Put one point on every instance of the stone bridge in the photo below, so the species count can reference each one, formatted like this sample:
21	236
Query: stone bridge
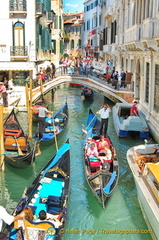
97	84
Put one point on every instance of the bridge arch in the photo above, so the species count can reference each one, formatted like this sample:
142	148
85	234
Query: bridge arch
96	84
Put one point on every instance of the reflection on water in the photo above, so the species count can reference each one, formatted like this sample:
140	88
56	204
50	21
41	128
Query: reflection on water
86	219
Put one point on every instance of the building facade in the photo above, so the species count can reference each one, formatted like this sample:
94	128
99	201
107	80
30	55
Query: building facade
73	34
57	32
26	39
131	40
93	28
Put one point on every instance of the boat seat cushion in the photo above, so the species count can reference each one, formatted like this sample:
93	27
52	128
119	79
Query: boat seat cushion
95	164
12	132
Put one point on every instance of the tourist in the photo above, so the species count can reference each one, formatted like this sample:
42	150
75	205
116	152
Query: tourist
123	77
92	150
103	144
10	84
43	216
3	94
133	109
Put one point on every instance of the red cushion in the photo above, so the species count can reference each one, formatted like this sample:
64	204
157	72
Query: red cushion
94	163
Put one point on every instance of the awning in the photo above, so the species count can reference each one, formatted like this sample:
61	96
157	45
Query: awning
17	66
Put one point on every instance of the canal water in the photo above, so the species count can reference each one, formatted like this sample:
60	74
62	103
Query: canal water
122	219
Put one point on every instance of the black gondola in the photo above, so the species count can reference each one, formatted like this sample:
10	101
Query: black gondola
102	176
49	192
19	150
87	93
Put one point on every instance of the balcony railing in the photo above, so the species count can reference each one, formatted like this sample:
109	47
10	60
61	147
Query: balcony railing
49	17
39	9
19	52
17	7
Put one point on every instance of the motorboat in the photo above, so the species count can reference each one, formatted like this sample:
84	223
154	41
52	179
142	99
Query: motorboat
125	124
144	164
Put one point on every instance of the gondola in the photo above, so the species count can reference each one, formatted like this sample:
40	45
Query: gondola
60	119
19	151
49	192
87	93
101	173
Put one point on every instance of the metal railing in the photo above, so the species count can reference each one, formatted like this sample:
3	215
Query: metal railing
107	81
20	6
19	51
39	8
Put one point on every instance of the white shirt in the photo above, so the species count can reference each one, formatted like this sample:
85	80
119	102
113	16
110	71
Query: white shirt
104	113
4	216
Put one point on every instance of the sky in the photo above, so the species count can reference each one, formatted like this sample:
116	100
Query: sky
73	5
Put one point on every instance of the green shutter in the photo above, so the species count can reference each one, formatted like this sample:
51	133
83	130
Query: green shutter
56	22
61	47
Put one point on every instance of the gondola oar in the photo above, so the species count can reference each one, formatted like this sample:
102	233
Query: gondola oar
83	128
19	150
55	135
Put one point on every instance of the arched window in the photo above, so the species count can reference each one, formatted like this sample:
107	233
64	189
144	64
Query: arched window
18	34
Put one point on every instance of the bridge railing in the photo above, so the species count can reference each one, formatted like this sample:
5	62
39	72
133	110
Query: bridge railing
89	73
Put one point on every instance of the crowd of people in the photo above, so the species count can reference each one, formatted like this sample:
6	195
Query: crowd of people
98	149
27	213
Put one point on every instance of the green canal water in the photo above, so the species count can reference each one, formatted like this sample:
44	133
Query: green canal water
86	219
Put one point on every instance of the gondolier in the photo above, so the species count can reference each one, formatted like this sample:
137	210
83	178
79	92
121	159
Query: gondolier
7	218
104	113
41	117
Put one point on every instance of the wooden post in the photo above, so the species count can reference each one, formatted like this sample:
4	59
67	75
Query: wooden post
30	112
1	139
27	96
41	86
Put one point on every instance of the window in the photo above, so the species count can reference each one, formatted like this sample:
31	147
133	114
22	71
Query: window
156	93
72	44
147	82
53	47
88	24
79	43
18	38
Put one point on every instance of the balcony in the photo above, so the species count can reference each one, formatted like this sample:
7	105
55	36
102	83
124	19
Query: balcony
132	38
107	49
108	12
39	9
149	34
18	53
17	9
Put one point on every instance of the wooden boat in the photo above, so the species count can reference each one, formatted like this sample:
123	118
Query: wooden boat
60	119
125	124
19	150
102	176
143	161
49	192
75	84
87	93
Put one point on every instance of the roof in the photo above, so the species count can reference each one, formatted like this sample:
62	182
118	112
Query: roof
69	13
154	168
